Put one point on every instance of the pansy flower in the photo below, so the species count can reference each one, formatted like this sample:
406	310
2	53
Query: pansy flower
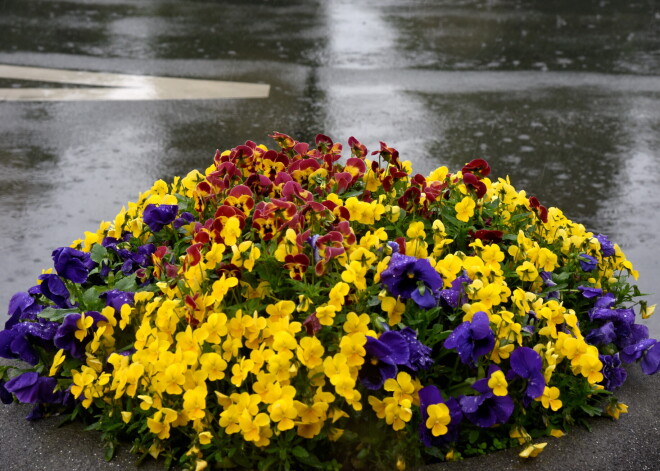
73	264
590	292
486	409
649	352
116	298
30	388
384	354
613	374
22	306
587	262
53	288
24	338
158	216
602	335
527	364
411	277
420	354
71	335
606	245
472	339
428	396
455	296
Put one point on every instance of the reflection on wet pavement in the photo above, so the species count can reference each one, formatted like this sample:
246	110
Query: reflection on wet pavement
562	96
107	87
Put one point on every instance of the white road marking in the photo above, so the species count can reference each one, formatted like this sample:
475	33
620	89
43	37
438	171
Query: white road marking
117	87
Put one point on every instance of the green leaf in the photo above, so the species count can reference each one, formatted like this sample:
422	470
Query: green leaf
300	452
90	299
373	301
54	314
98	253
127	284
109	452
591	410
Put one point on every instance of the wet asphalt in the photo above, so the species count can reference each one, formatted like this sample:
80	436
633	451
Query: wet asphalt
563	96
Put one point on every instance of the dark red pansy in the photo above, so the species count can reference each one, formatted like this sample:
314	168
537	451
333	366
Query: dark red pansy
488	235
312	324
474	183
477	166
357	149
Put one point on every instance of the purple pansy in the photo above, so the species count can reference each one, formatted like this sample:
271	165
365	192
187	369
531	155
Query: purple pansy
383	356
472	339
20	341
65	337
73	264
546	276
455	296
183	219
30	388
602	335
116	299
623	320
157	216
606	246
487	409
430	395
613	374
135	260
53	288
648	350
22	306
605	301
527	364
590	292
587	262
411	277
419	353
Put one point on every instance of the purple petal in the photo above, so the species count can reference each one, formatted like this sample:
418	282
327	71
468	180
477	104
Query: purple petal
589	292
397	345
651	360
634	352
525	362
425	301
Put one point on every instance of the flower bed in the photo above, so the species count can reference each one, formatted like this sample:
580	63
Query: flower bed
286	310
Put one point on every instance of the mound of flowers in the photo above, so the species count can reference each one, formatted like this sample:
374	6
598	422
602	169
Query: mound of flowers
290	308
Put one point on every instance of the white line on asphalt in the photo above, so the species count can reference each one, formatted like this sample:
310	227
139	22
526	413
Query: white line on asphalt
121	86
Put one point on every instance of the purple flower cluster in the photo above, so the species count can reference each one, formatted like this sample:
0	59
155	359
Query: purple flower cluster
132	260
24	339
618	327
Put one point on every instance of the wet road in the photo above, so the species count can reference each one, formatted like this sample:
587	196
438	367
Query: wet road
564	99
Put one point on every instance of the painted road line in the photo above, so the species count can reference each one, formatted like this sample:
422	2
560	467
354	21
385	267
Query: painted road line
121	86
